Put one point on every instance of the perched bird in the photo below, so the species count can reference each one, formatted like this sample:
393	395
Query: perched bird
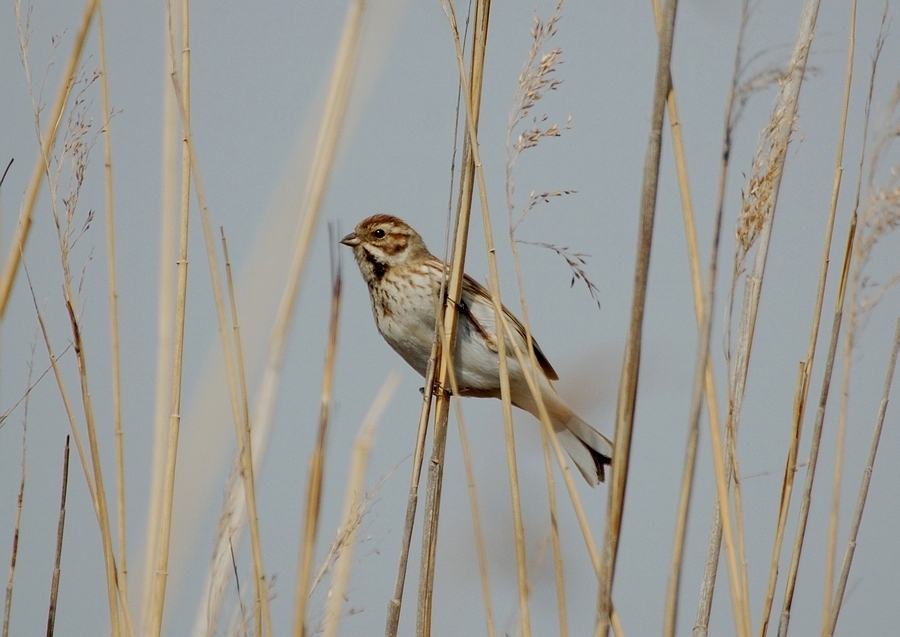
404	279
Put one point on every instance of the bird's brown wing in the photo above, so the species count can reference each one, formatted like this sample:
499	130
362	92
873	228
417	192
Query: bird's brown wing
474	288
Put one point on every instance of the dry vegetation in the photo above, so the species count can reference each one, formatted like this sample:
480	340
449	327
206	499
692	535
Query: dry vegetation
67	136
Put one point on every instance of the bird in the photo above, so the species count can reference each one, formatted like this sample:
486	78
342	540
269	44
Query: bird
404	281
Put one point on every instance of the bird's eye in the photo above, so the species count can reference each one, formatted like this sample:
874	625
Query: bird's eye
379	234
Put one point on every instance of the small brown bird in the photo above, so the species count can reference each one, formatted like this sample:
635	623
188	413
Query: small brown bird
404	279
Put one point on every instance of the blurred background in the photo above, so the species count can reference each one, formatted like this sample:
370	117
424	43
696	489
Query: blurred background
259	73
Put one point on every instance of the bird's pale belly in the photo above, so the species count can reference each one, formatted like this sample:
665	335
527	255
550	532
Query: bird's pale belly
475	365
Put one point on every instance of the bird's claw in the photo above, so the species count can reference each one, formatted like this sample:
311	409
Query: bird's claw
437	391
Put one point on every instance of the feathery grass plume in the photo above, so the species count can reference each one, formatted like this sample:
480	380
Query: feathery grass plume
348	536
537	78
879	218
740	92
801	393
46	140
754	228
65	168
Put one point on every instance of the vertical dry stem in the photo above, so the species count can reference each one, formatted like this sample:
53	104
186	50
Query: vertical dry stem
494	285
14	554
704	324
755	225
707	587
631	364
242	427
60	528
317	462
113	313
472	97
318	178
850	333
828	628
554	532
802	392
154	614
703	380
784	620
353	500
165	329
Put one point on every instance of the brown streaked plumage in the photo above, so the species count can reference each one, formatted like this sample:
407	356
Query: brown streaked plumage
404	281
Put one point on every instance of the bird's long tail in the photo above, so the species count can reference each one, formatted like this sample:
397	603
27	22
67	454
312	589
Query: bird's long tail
590	450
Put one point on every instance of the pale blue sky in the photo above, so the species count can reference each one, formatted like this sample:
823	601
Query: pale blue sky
258	77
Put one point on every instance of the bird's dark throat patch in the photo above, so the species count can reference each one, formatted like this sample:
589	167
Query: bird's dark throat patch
379	269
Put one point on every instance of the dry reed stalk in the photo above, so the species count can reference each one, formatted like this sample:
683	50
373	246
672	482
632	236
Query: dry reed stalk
562	614
242	429
89	476
708	584
325	150
802	391
41	166
803	516
849	339
739	528
60	528
353	500
703	382
119	624
476	520
828	628
165	327
473	493
76	149
704	325
466	182
755	227
535	81
392	623
113	314
631	364
317	461
547	433
494	286
471	93
724	524
544	419
153	613
14	554
231	373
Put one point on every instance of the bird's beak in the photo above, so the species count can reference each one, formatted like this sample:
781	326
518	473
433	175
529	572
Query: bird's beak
351	240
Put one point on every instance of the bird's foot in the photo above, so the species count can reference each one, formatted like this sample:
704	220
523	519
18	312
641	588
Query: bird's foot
437	391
